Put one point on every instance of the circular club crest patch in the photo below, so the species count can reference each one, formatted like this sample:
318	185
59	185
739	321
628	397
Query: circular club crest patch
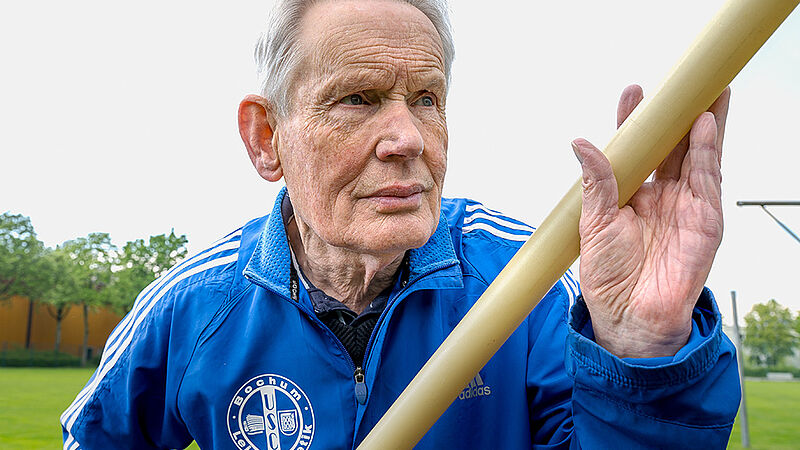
270	412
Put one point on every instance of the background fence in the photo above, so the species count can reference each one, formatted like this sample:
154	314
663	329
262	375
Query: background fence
20	324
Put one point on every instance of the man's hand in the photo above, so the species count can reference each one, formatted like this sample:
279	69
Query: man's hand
643	266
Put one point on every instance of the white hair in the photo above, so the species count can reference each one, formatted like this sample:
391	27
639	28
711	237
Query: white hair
277	54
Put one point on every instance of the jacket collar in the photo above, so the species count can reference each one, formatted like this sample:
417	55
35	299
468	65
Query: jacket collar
271	261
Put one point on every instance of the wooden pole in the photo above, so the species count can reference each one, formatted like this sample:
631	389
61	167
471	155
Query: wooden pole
732	37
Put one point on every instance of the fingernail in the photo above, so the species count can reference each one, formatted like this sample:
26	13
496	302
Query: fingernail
577	152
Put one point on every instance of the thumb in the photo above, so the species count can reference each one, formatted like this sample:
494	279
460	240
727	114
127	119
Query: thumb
600	193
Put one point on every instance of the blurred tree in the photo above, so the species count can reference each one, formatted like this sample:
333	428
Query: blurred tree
20	253
93	258
63	291
769	335
142	262
21	256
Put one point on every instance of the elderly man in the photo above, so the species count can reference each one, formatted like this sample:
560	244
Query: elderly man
300	329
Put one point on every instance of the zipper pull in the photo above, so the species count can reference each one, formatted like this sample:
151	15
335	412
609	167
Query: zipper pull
361	387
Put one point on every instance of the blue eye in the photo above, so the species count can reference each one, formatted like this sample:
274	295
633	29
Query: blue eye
425	100
353	99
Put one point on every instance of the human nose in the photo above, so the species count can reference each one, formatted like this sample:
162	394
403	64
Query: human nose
401	136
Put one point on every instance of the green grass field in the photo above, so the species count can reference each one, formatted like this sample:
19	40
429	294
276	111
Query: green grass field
31	401
773	412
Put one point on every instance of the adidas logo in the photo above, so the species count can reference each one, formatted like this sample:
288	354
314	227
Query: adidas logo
475	388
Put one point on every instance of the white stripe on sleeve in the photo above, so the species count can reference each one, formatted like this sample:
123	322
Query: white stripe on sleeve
492	230
498	220
145	302
141	303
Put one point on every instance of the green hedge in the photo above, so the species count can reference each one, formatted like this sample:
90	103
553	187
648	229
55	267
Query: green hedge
19	357
761	372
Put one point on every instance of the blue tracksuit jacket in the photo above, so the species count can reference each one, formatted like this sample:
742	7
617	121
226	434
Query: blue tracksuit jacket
217	351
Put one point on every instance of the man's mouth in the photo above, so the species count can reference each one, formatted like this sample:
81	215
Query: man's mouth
398	197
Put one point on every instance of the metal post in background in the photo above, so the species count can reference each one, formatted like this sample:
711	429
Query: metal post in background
764	204
737	341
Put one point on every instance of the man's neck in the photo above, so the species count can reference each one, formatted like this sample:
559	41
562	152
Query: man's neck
354	279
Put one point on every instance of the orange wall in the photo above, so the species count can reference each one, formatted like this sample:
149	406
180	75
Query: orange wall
14	320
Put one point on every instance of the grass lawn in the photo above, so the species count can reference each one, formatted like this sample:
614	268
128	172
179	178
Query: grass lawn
31	401
773	413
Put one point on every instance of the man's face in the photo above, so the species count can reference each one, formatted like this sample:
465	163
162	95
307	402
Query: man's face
364	147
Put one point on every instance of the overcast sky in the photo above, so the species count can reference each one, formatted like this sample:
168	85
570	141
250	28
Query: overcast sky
121	117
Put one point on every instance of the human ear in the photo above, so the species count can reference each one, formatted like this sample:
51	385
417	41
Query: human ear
256	127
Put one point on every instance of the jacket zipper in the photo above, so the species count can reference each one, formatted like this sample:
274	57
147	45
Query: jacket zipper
358	372
359	377
403	292
361	386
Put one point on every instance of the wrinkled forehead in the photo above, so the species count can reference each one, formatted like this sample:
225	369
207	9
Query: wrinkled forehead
377	34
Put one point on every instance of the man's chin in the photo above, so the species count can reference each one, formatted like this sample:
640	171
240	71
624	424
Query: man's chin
395	236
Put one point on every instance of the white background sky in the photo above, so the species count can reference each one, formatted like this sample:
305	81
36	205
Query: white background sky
121	117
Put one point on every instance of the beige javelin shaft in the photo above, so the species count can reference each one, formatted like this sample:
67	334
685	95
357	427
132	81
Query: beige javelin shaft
655	127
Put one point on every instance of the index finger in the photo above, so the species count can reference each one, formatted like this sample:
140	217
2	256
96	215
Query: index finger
631	96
